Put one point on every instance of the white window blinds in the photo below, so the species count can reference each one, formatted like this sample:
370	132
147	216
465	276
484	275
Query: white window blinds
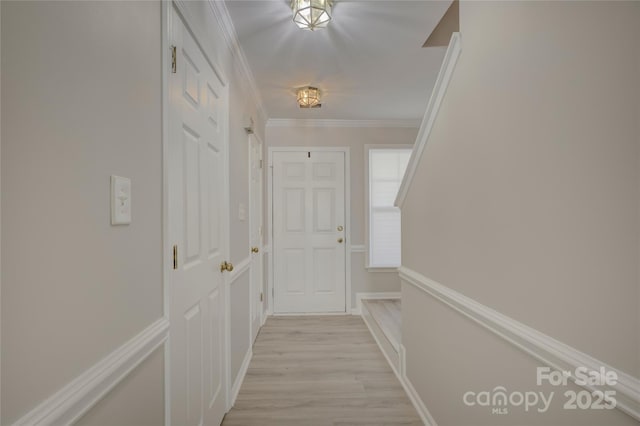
386	170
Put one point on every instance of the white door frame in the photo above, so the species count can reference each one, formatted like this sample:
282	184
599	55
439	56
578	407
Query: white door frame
261	244
167	244
347	213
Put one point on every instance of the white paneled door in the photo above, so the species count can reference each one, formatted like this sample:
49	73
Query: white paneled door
197	152
309	231
255	222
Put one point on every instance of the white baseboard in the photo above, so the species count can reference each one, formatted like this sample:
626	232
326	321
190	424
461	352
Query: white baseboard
372	296
544	348
417	402
400	373
237	384
381	346
72	401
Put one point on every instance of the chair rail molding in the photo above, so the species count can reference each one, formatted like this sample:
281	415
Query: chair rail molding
439	90
76	398
243	266
544	348
357	248
294	122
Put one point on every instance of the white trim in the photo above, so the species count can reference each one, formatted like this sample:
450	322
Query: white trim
347	211
357	248
546	349
384	269
309	314
401	374
373	296
237	384
417	402
294	122
439	90
380	345
166	13
231	37
0	234
76	398
243	266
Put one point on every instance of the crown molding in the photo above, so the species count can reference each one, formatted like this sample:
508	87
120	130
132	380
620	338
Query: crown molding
221	13
295	122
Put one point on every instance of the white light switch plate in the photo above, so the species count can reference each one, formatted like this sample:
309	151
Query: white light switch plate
120	200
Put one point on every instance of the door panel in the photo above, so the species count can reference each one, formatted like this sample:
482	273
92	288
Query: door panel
196	182
309	232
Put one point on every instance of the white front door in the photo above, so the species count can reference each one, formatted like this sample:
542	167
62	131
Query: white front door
309	231
197	147
255	222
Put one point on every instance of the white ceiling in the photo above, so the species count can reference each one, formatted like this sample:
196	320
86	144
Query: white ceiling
369	62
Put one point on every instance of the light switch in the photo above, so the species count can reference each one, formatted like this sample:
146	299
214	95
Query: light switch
120	200
242	213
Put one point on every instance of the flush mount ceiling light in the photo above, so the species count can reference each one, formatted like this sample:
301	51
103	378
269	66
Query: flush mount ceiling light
311	14
309	97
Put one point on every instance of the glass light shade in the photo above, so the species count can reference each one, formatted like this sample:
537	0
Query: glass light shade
309	97
311	14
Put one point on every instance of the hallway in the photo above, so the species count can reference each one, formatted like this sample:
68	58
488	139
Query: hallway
319	370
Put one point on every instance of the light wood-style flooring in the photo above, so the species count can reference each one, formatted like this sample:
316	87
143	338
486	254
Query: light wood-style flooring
319	371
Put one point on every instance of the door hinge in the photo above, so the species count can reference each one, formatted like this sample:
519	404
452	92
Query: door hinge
174	61
260	163
175	257
261	297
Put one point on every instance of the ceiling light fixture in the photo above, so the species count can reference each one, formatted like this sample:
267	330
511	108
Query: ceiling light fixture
311	14
309	97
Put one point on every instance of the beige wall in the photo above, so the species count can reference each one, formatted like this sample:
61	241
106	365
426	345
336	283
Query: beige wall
526	200
82	87
355	139
144	386
81	101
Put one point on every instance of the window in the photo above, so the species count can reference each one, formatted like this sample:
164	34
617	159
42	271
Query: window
386	170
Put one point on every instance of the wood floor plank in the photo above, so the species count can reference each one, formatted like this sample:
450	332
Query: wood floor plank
319	371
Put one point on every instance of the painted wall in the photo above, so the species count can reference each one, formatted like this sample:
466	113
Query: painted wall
134	401
355	139
526	200
81	101
82	87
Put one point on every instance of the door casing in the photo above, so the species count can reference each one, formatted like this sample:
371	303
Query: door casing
347	212
259	270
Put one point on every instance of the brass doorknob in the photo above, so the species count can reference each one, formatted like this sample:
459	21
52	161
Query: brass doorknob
340	240
226	266
255	249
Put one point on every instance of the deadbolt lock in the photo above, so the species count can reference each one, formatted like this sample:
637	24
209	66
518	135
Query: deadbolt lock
226	266
340	228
